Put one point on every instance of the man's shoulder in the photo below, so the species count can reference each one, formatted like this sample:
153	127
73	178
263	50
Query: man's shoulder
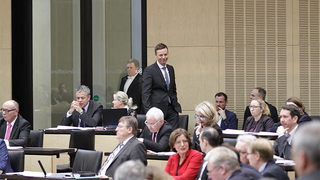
270	106
166	126
229	112
20	119
95	104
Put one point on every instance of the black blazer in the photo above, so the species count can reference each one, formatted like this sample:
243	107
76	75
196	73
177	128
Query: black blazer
204	174
163	135
20	133
282	148
132	150
91	118
274	171
134	90
251	171
154	89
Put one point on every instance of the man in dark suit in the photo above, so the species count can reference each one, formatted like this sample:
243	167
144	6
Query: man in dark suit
209	139
260	93
223	163
306	151
5	166
14	129
156	133
227	119
128	149
289	116
159	87
132	84
83	112
260	155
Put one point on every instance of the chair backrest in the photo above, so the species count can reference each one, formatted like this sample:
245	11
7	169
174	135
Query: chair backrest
184	121
17	160
36	138
87	161
141	119
231	141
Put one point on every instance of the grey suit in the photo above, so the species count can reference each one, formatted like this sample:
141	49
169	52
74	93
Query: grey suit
282	148
91	118
133	149
274	171
314	175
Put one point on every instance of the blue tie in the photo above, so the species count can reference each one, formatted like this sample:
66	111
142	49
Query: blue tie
167	81
81	122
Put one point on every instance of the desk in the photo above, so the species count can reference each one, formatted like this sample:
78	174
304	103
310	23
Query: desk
40	176
235	133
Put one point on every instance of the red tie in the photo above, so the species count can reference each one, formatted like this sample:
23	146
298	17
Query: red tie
154	137
8	132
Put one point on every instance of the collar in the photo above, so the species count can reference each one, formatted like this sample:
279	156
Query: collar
12	123
262	167
292	133
86	107
132	77
160	66
126	141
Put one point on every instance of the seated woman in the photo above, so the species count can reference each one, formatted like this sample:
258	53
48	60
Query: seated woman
121	100
206	116
304	116
260	120
185	164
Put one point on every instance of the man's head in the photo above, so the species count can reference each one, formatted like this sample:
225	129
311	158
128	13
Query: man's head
221	100
132	169
259	151
154	119
127	127
241	146
306	148
161	53
289	116
209	139
257	93
10	110
222	162
83	95
132	67
55	92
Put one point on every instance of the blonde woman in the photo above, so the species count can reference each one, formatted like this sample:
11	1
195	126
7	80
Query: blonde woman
121	100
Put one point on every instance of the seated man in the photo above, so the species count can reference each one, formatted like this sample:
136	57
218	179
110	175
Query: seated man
241	146
156	133
289	116
83	112
227	119
128	149
14	129
5	166
260	155
306	151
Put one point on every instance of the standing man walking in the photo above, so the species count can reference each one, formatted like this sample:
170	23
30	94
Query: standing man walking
159	87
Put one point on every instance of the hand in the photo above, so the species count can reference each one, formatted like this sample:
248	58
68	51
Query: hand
198	129
222	113
281	130
140	139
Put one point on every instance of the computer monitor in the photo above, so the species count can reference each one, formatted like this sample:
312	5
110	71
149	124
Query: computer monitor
111	117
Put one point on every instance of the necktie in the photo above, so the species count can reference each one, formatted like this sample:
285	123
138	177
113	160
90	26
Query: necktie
8	132
154	137
81	122
287	135
109	160
167	80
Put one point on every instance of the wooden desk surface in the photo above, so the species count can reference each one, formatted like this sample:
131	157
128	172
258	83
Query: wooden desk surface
46	151
68	131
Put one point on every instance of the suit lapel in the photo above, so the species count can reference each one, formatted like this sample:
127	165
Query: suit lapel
135	81
123	149
159	72
15	127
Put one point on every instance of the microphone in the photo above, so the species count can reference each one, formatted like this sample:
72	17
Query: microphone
44	171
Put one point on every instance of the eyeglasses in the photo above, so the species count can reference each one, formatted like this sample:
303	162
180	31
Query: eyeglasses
254	107
151	125
243	153
199	117
183	141
6	111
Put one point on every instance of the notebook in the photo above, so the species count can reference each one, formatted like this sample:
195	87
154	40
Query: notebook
111	117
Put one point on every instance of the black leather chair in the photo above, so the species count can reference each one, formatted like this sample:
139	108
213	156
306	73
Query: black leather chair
16	160
141	119
231	141
36	138
317	118
80	139
183	121
87	161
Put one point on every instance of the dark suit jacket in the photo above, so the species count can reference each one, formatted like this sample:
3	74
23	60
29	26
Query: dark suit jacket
196	142
282	148
154	89
251	171
163	135
5	166
20	132
273	112
274	171
91	118
303	119
231	122
134	90
240	175
133	149
264	124
314	175
204	174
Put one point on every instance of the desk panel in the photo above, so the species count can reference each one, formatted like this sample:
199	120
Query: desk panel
49	163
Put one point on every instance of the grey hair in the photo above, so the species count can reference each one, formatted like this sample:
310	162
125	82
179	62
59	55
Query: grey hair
83	88
156	113
134	61
246	138
122	96
132	169
223	156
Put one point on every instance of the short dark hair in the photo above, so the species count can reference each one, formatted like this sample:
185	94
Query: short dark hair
294	110
175	134
160	46
211	135
222	94
262	92
131	122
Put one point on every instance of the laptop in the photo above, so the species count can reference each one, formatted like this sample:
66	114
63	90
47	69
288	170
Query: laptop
111	117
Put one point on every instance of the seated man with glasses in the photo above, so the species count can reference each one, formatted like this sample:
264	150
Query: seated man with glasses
156	133
14	129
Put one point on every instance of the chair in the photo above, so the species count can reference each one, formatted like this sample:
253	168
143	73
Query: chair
141	119
16	160
80	139
317	118
231	141
184	121
87	161
36	138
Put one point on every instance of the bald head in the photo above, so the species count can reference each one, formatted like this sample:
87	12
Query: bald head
10	110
